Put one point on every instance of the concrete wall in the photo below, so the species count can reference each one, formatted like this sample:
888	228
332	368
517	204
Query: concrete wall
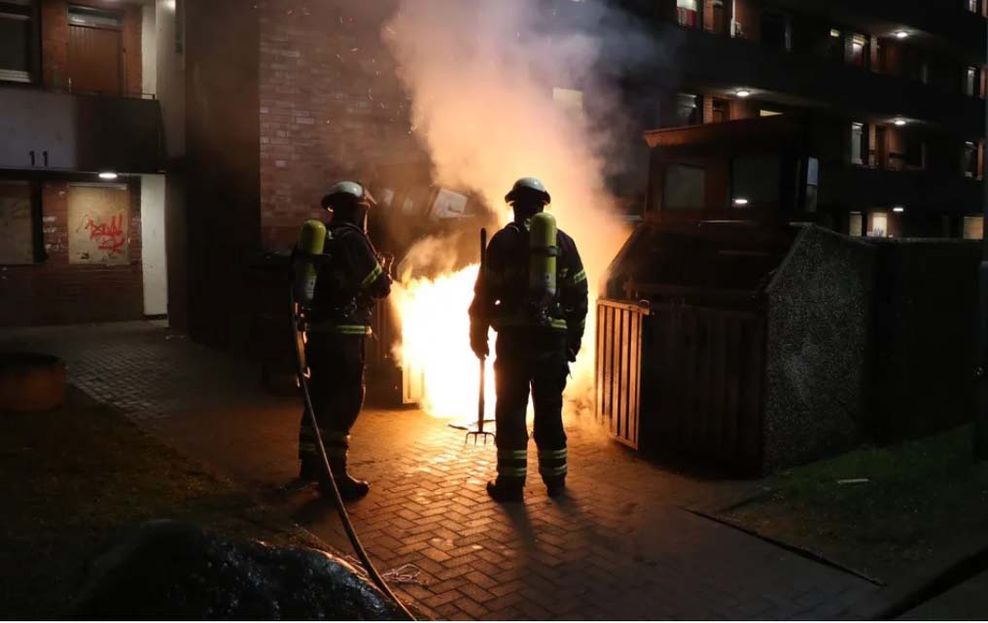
153	251
817	348
57	292
149	50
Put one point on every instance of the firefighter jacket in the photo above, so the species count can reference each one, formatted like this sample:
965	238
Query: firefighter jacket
349	280
501	293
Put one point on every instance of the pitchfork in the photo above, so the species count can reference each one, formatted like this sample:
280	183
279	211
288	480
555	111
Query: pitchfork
480	432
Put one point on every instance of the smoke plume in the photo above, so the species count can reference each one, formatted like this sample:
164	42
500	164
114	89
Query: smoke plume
503	89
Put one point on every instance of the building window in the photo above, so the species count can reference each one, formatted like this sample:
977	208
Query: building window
19	224
684	188
859	143
687	13
878	225
915	156
855	224
687	110
973	6
969	160
974	227
755	182
858	51
776	32
16	41
971	81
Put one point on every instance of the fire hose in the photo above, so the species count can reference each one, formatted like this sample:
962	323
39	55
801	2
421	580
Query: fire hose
302	374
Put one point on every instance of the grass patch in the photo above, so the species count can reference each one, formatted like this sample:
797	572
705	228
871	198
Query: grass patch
921	499
71	477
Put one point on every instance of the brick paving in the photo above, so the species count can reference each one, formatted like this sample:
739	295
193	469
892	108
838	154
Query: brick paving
620	546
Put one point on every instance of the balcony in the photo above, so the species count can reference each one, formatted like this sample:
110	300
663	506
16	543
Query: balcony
65	132
719	61
861	188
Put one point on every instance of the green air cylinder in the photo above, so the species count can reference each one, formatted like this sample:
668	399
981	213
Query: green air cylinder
311	241
542	259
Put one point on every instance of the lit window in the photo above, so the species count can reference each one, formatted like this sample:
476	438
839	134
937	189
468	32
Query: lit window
859	146
687	109
971	81
686	13
836	34
764	112
859	51
969	160
974	6
879	225
974	227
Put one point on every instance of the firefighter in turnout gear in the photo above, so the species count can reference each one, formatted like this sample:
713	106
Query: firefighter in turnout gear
349	277
533	292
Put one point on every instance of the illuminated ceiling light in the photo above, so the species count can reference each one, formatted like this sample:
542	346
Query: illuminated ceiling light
740	202
742	92
901	34
108	175
900	122
898	209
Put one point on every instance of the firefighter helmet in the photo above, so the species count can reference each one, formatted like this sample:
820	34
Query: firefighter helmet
346	192
528	187
349	202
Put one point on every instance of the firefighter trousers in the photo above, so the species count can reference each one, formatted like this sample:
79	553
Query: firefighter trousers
530	361
336	384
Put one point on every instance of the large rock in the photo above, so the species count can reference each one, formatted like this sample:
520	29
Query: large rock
169	570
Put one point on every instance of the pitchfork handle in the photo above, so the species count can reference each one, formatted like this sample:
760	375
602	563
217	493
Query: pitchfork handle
483	362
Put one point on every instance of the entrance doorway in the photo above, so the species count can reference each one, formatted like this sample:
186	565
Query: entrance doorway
95	51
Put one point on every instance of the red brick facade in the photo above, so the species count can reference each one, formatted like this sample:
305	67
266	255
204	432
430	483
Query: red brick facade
57	292
330	107
55	42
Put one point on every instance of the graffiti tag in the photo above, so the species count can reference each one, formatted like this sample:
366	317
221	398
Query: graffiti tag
109	237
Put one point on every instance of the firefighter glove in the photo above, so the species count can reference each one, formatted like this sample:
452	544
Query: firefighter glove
478	342
573	348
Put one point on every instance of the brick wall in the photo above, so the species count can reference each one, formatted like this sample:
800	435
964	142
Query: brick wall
57	292
55	41
330	106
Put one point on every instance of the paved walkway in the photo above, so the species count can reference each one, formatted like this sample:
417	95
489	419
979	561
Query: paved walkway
621	546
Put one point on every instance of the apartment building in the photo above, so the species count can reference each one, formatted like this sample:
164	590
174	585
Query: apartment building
82	157
866	117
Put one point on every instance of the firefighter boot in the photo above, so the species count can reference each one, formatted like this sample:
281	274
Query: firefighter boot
350	488
556	487
506	489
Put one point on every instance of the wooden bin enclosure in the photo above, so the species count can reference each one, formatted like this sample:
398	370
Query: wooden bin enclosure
683	380
620	328
752	352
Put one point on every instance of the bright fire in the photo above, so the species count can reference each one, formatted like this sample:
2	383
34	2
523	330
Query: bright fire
435	350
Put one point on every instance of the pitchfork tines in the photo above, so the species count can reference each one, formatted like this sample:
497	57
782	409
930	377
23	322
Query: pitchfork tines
477	434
